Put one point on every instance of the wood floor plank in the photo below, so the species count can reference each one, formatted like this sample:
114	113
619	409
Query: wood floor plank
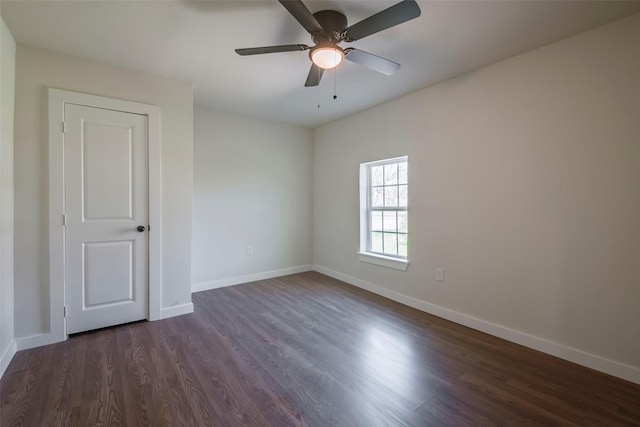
304	350
129	377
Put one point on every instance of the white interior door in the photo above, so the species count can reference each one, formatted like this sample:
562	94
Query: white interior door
106	206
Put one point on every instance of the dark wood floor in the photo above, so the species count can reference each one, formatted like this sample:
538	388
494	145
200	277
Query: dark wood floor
304	350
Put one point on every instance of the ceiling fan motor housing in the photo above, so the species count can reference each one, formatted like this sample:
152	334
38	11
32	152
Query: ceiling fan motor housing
333	23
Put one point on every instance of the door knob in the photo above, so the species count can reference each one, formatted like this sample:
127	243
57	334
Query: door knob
140	228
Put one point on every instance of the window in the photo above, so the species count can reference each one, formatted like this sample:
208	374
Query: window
384	187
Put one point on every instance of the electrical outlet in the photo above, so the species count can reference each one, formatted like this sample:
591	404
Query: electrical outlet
249	250
440	274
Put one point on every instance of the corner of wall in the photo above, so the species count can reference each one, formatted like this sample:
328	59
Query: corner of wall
7	99
6	357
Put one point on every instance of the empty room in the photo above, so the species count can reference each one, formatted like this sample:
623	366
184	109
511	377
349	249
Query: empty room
319	213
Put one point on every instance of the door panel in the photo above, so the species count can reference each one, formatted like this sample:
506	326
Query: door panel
106	165
106	198
108	273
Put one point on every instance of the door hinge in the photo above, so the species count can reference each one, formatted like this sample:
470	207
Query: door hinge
65	311
64	127
64	220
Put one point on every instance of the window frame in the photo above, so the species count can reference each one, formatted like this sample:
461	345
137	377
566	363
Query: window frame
398	262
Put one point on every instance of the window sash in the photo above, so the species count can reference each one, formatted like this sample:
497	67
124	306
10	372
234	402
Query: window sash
370	209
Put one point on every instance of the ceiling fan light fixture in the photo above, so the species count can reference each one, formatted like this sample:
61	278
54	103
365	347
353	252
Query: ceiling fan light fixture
327	57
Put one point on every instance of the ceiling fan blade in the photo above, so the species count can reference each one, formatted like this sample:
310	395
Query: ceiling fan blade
315	74
271	49
302	15
372	61
397	14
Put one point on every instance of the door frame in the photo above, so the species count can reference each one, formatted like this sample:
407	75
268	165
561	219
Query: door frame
57	281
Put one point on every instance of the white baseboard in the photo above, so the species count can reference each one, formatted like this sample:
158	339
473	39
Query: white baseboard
32	341
620	370
176	310
46	338
39	340
6	357
221	283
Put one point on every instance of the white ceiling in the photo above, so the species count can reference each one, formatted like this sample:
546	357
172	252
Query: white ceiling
195	41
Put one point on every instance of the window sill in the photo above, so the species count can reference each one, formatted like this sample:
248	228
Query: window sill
384	261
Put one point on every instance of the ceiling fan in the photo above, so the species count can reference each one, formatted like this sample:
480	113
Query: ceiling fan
328	28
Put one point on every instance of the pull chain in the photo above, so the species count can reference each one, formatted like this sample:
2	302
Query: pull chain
335	82
318	86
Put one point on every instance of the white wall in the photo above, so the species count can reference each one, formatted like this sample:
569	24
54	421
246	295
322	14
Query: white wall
252	187
7	84
38	70
524	187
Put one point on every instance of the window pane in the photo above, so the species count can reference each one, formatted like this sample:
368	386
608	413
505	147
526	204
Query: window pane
391	174
402	244
402	195
376	242
402	222
376	175
403	177
390	243
391	196
390	221
376	196
385	212
376	221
